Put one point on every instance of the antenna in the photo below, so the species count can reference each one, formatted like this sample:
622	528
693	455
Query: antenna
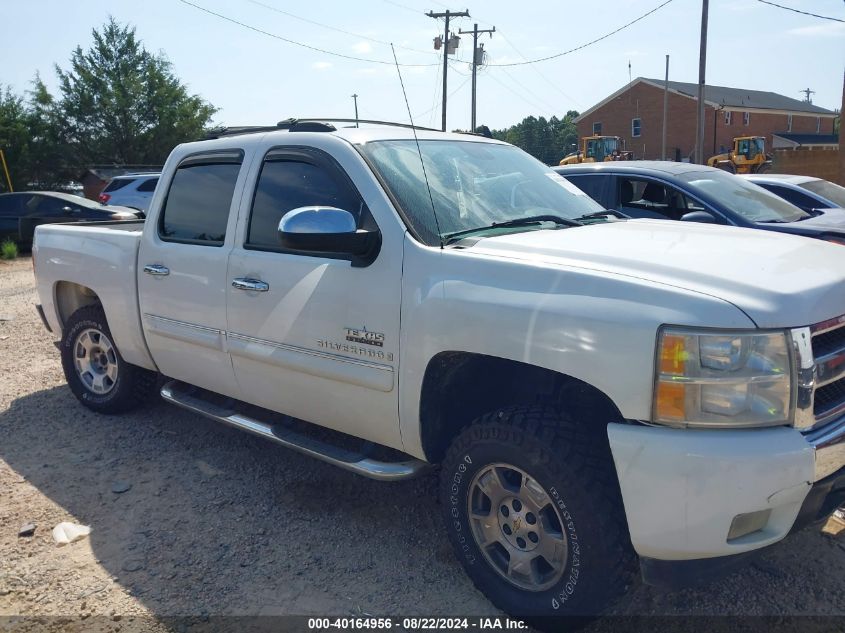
417	141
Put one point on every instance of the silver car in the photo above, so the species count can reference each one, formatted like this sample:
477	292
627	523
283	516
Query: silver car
805	192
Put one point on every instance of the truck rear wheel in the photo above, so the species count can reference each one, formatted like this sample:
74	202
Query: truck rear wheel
94	369
534	513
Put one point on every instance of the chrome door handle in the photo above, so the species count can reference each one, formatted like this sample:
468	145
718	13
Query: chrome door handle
245	283
156	269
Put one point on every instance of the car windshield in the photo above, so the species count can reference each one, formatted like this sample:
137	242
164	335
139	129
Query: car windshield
826	189
743	197
473	185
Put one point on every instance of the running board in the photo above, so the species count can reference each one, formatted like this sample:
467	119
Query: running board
188	397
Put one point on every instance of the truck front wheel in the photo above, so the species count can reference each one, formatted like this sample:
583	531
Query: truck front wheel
94	369
535	516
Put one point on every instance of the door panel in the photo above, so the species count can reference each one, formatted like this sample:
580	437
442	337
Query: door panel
182	272
321	343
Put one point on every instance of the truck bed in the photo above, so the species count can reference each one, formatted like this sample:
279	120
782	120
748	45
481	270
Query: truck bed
80	262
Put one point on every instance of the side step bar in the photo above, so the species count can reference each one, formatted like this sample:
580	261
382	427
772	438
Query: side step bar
185	396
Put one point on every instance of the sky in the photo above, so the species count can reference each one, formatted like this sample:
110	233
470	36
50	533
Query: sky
257	78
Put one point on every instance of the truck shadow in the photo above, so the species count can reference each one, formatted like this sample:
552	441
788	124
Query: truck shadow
218	522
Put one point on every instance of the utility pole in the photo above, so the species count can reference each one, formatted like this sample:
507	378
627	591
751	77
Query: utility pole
448	15
702	65
6	171
808	92
476	54
355	98
665	110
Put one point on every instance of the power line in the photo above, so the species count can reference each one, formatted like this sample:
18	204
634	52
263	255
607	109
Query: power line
521	96
295	43
451	94
334	28
537	70
815	15
590	43
402	6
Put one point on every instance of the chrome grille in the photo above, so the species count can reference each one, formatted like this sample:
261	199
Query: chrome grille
828	347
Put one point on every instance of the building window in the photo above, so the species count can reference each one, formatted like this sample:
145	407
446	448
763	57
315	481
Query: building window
636	125
818	125
728	116
788	122
597	129
746	118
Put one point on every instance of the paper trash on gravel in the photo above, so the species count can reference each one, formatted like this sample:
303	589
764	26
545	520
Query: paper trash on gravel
66	532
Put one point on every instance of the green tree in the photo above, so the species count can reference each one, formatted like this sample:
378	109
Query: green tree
14	138
119	103
548	140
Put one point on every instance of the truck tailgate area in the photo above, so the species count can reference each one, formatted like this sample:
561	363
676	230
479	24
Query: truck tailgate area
81	263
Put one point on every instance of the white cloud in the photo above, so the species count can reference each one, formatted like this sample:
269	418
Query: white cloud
831	29
362	47
321	65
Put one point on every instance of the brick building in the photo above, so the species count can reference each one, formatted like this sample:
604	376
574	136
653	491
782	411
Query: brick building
635	113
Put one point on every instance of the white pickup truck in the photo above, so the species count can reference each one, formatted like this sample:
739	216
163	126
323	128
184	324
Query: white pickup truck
601	396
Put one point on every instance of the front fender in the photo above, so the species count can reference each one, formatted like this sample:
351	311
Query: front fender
594	326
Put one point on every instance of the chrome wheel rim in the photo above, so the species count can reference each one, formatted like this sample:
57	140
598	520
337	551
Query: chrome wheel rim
95	359
517	527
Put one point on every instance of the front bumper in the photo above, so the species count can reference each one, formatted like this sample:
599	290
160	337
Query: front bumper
683	488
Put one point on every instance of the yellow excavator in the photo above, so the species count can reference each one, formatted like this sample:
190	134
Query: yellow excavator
748	156
598	149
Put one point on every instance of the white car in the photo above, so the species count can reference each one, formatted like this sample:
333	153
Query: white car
602	395
806	192
131	190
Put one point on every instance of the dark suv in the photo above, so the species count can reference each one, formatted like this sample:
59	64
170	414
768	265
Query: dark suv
20	213
694	193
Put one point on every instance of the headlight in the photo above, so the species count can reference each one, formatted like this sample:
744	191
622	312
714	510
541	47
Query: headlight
718	379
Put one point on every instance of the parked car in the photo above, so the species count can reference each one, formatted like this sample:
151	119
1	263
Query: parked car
21	212
130	190
601	395
695	193
805	192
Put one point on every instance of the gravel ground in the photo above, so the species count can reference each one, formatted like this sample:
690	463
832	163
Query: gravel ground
217	522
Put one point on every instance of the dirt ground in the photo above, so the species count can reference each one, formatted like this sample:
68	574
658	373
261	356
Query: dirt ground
217	522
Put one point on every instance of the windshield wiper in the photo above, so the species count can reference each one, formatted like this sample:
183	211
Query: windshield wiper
601	214
528	221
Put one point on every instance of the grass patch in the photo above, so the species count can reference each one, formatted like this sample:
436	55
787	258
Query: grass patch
8	250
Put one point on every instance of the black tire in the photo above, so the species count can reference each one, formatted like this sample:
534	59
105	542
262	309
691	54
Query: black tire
576	469
132	386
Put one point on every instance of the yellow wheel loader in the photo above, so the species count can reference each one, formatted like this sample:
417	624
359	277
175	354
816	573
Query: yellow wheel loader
598	149
748	156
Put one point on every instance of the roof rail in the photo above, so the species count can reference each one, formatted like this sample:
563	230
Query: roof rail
310	124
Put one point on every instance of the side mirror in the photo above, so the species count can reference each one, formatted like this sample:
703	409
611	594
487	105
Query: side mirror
328	231
67	210
698	216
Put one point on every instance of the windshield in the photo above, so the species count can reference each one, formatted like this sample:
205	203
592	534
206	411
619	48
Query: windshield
826	189
473	184
743	197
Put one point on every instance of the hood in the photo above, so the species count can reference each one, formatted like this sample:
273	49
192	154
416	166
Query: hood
778	280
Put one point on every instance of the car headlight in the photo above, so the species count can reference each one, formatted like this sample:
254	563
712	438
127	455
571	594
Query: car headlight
722	379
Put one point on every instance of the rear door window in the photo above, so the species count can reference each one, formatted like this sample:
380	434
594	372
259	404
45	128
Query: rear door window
10	205
117	183
148	185
196	210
